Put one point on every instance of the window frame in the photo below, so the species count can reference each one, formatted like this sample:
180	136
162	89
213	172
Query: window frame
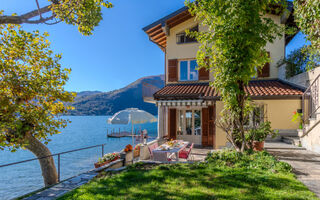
252	117
188	70
184	35
182	127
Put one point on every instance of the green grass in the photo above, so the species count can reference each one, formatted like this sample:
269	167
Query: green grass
261	178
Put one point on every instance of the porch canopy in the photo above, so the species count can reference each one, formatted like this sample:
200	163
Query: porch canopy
257	89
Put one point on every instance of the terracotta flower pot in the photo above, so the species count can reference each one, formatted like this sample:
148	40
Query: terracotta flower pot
258	146
97	164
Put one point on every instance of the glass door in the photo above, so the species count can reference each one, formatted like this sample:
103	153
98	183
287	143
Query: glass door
189	125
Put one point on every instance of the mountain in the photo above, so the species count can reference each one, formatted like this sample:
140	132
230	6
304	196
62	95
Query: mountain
108	103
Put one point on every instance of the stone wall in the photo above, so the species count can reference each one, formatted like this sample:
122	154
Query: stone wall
312	140
303	79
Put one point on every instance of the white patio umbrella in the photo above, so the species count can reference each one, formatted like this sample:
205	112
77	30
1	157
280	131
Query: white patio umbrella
133	116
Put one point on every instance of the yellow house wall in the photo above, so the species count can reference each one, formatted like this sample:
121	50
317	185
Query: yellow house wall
189	50
278	112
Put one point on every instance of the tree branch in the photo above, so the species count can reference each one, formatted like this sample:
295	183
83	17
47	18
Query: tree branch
25	18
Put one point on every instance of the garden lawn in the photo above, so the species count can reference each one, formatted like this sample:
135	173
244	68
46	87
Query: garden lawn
255	177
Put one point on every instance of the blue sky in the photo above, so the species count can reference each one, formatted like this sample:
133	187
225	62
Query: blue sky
118	52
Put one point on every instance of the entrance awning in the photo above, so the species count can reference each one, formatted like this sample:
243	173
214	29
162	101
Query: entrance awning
176	103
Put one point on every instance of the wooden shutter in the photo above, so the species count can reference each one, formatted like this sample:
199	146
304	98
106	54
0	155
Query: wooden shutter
205	126
203	74
208	126
172	70
172	125
211	124
265	71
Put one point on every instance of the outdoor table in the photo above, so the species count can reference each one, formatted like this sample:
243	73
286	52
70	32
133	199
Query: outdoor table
166	149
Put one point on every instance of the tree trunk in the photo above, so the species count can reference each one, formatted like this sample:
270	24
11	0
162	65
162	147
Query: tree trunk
48	168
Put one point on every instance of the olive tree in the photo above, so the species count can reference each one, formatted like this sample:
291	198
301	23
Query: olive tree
233	49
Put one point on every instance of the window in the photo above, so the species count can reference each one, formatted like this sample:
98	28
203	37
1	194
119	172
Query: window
197	122
183	38
188	70
181	119
256	117
189	122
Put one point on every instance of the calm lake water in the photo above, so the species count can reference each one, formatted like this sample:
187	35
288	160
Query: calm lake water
83	131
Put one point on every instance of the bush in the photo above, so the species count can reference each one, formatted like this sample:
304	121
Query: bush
260	132
249	159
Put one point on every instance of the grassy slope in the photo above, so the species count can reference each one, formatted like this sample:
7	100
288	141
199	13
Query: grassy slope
196	181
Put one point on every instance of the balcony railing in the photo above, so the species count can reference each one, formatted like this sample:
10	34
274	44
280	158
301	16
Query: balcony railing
310	101
58	155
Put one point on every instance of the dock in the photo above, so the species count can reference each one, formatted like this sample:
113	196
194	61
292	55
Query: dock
120	134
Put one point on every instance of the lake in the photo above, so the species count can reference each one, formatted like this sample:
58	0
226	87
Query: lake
83	131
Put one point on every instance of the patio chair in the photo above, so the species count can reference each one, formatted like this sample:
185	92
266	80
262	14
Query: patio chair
186	154
151	148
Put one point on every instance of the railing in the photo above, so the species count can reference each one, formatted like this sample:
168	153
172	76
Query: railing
58	155
310	101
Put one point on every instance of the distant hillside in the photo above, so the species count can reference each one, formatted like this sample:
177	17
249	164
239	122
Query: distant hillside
108	103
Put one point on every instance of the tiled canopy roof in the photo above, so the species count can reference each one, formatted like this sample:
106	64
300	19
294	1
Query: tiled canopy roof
258	89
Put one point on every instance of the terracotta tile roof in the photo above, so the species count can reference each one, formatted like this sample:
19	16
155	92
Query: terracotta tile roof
256	89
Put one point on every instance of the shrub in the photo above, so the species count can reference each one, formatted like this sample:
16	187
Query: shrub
249	160
261	132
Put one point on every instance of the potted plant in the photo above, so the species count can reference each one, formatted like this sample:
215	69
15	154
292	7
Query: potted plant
257	135
136	151
107	158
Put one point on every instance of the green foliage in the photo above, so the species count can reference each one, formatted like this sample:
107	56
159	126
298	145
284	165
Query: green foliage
234	45
261	132
307	15
233	48
249	160
297	118
299	61
85	14
31	87
259	176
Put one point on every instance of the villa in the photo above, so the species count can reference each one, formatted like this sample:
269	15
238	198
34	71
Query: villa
188	106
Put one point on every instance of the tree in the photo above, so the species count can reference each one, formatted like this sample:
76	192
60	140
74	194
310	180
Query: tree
307	16
233	49
31	94
299	61
85	14
32	80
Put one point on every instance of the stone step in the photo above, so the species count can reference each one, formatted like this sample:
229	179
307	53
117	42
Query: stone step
292	140
288	132
270	139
